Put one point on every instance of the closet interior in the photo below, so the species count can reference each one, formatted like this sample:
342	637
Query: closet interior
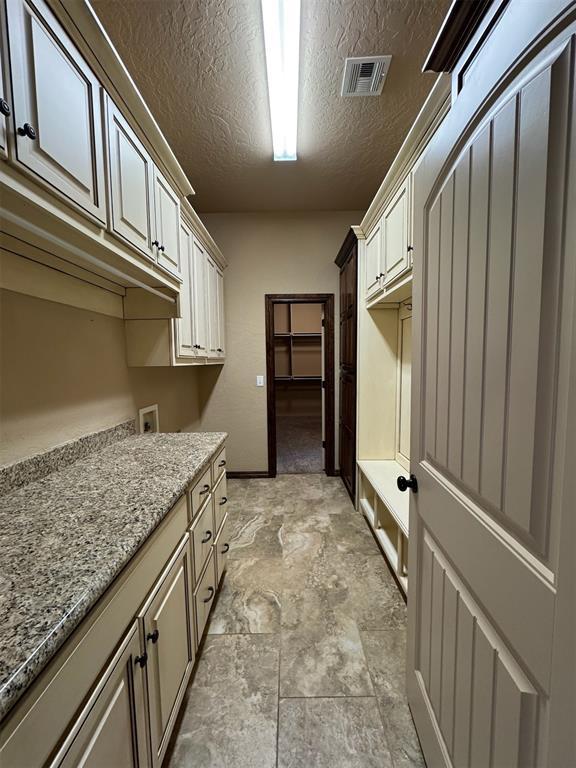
298	357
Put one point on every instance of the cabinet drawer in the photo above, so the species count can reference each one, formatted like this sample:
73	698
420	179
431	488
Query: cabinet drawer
203	535
221	548
220	502
204	596
219	465
199	494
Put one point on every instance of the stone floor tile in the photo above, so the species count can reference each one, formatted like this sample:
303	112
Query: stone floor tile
255	534
331	733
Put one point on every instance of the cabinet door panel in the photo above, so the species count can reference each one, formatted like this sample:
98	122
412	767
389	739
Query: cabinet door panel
167	628
220	502
184	325
373	262
131	178
204	597
221	325
167	224
59	96
4	95
212	306
221	549
199	292
395	222
203	535
111	731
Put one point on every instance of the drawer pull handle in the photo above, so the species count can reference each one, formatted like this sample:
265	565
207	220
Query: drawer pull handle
225	548
153	636
207	538
224	500
210	596
204	490
222	463
27	130
141	660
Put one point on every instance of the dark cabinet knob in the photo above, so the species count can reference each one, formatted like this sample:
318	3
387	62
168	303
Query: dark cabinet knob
204	490
207	538
156	243
141	660
153	636
4	107
161	248
224	500
410	248
27	130
219	350
403	484
225	548
210	596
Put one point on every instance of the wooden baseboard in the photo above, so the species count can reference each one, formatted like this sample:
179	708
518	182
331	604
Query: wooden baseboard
246	475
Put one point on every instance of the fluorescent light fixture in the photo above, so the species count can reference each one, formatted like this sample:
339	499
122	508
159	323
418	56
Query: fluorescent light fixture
282	41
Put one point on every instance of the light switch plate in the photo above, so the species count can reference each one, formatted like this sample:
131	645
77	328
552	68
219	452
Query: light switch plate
259	381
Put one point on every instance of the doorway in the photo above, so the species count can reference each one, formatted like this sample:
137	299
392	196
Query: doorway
300	383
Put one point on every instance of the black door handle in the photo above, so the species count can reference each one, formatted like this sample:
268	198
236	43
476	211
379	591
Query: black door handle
141	660
210	596
208	537
225	548
205	489
224	500
403	484
222	463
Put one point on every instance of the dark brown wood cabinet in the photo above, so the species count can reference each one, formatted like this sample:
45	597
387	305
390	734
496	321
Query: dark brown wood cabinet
347	260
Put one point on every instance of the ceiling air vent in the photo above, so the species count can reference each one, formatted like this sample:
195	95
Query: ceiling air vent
365	75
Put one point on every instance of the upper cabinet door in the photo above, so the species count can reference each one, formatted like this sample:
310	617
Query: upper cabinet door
395	227
212	300
373	262
167	238
131	183
5	110
56	107
184	325
221	324
199	292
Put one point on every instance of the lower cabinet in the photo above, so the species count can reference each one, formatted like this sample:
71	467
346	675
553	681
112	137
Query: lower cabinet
220	502
166	623
203	597
221	549
111	730
202	537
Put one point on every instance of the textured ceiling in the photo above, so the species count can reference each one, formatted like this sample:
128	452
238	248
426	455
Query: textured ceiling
200	66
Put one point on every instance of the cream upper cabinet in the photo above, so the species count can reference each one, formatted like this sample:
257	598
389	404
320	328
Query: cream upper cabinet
5	110
200	276
56	107
167	626
184	325
373	261
111	729
213	315
167	233
131	174
221	322
395	226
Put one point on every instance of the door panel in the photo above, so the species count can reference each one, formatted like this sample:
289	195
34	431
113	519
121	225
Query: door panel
59	96
131	183
348	332
490	207
221	322
373	262
184	324
199	294
212	307
167	224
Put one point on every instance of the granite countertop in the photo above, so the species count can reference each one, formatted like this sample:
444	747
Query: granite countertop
64	538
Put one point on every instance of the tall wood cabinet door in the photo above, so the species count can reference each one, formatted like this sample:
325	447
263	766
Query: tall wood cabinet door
167	208
212	306
167	627
111	731
184	324
373	262
131	174
57	107
200	292
494	407
395	228
221	318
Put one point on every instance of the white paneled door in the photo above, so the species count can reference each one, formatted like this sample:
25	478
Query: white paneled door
491	611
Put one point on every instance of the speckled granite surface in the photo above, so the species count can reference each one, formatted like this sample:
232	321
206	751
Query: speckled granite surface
64	538
25	471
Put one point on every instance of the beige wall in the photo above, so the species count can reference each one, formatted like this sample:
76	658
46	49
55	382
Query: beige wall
63	374
267	253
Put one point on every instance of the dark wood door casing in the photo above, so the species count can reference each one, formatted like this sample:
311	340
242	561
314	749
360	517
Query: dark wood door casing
327	299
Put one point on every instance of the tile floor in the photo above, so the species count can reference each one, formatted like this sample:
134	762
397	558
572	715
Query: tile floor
303	664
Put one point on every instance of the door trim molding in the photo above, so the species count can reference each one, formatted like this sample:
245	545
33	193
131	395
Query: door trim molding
327	299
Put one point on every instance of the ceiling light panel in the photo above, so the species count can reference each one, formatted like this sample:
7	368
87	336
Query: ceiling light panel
281	19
